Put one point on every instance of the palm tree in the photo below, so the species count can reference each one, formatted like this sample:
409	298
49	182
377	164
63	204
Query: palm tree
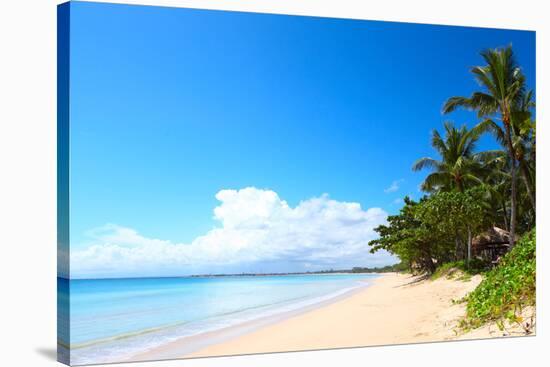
503	87
496	184
459	167
524	143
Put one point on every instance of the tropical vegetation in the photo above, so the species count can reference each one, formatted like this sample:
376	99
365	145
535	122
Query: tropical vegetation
469	191
507	289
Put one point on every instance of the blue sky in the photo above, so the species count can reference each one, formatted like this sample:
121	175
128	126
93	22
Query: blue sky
170	106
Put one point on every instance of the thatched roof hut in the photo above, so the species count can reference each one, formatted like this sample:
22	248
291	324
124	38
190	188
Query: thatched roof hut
493	236
491	243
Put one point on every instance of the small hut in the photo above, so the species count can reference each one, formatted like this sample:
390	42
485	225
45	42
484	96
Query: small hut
491	244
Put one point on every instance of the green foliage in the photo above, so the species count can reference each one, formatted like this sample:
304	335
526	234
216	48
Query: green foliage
506	289
504	97
399	267
461	269
471	191
459	166
406	237
453	213
426	233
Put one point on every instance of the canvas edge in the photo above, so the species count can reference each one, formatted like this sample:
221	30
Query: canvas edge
63	117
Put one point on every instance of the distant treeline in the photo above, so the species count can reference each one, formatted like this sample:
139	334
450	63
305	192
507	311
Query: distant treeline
384	269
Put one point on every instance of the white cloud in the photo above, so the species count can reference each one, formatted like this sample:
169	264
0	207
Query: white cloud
256	228
394	186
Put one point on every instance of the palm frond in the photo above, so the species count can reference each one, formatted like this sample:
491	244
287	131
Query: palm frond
435	182
494	129
426	162
438	143
454	103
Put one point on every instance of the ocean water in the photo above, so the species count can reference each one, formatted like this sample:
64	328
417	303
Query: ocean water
114	319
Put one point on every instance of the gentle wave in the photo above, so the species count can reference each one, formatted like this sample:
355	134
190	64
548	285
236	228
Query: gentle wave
125	345
170	326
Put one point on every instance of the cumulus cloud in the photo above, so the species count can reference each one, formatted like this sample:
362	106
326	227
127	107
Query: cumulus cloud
256	228
394	186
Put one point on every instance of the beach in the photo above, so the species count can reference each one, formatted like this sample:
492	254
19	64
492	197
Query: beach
160	318
395	309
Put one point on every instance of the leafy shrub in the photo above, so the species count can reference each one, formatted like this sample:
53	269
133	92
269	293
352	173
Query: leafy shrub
464	270
427	232
506	289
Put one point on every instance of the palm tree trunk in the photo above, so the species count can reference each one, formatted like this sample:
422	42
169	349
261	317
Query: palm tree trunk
528	185
469	247
429	264
505	215
512	155
513	206
457	247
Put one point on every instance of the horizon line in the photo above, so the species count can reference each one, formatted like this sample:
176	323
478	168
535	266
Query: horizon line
368	270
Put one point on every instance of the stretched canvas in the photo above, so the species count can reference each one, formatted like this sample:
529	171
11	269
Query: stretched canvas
233	183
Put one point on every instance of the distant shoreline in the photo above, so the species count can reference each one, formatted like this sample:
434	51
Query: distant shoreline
321	272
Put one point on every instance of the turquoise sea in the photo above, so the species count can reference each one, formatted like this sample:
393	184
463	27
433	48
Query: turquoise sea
113	319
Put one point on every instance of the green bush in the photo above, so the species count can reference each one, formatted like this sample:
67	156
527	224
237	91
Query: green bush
506	289
464	270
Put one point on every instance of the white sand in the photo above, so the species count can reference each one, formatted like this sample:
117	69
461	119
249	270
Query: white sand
396	309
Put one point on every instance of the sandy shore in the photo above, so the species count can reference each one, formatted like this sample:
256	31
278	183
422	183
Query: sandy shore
396	309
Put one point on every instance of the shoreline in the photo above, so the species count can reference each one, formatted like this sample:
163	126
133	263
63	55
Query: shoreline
188	345
392	309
